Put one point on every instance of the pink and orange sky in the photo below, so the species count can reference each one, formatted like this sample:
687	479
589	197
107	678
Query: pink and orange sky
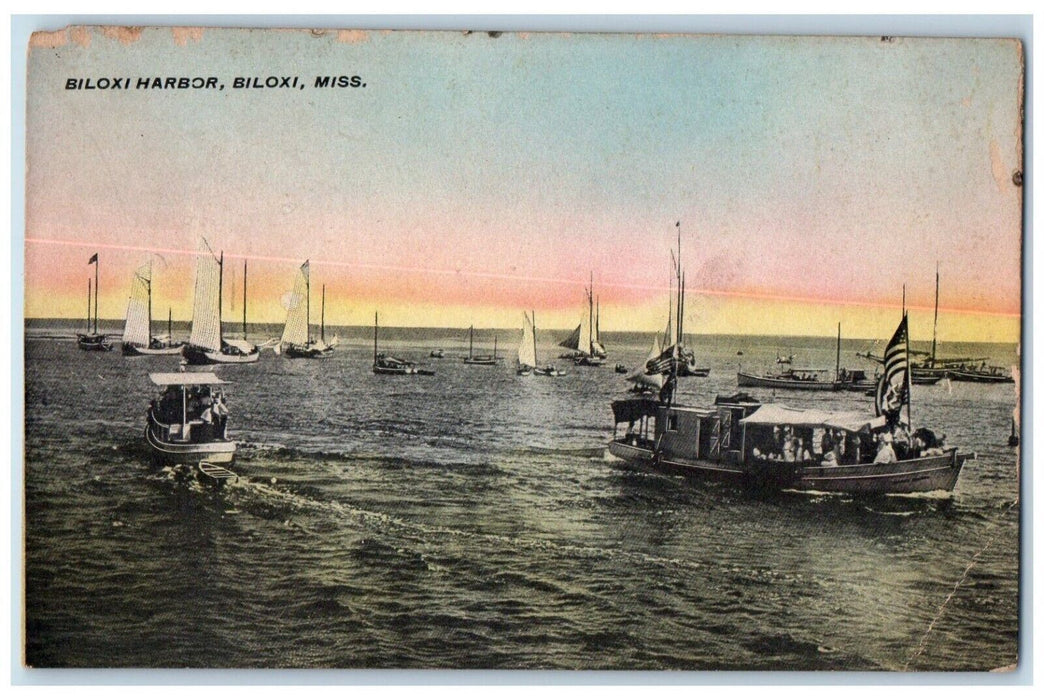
475	177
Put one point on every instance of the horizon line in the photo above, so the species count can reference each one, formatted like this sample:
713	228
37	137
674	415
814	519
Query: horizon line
555	280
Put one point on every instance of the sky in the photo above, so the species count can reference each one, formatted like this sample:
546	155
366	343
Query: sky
474	177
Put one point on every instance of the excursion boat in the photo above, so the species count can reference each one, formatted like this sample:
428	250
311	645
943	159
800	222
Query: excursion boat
527	355
297	341
188	422
137	330
473	359
93	340
773	446
207	345
585	347
733	441
386	364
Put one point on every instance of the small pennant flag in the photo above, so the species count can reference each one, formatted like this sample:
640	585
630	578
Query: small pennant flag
94	259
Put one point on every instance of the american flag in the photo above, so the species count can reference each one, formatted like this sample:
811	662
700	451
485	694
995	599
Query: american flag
891	387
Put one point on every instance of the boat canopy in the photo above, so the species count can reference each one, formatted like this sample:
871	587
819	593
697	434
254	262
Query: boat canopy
779	414
185	379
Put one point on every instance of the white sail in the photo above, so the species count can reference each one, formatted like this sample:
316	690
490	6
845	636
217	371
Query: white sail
296	329
527	347
638	374
206	312
136	329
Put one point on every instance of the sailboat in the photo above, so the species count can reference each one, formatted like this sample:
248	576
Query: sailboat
527	355
137	330
931	368
206	344
809	379
473	359
646	382
297	341
93	340
585	347
386	364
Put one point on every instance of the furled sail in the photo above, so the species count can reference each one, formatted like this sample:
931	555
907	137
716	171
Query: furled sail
527	347
295	331
136	330
206	312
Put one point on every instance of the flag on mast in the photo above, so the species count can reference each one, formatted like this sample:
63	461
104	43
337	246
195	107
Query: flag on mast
891	392
94	259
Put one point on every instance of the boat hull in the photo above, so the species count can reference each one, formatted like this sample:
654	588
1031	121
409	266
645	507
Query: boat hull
308	352
131	350
199	356
752	380
922	475
979	377
93	342
487	361
168	453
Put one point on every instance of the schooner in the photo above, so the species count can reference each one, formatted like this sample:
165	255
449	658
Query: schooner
137	330
297	340
93	340
584	344
206	344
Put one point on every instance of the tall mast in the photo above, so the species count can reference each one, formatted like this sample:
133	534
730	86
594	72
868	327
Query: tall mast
681	313
471	342
221	284
322	318
678	274
148	288
837	361
96	291
308	303
494	348
170	326
909	420
244	297
375	337
598	314
935	324
534	336
904	300
88	305
590	317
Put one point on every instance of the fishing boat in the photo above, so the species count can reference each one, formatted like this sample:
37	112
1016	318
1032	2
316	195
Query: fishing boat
386	364
527	354
297	341
773	446
188	422
207	345
584	345
929	368
138	339
798	379
473	359
93	340
647	378
673	346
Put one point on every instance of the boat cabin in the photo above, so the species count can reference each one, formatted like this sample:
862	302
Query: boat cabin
190	409
713	433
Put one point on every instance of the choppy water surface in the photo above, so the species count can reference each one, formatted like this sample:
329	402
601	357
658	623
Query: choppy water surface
473	520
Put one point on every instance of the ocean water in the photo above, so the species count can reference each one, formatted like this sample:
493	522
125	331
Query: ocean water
474	520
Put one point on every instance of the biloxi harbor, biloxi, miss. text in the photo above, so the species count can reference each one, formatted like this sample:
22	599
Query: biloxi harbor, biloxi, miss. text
284	82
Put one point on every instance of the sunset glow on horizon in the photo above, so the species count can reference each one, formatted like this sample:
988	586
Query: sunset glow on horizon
473	178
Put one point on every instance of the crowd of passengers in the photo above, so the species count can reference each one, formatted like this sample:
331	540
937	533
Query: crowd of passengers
831	446
203	408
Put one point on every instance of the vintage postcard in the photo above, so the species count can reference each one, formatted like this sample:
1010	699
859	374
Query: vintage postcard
476	350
